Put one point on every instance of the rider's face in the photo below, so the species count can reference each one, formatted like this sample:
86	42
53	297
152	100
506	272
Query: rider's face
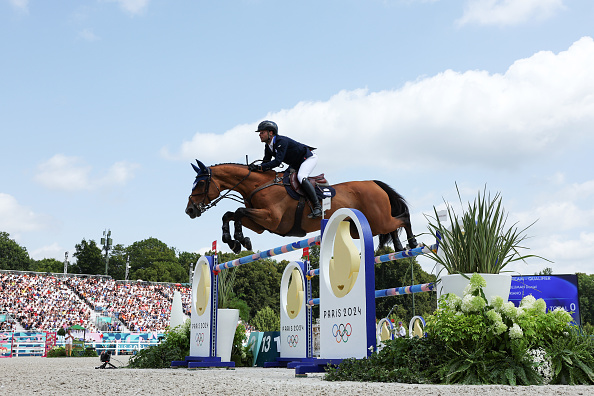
265	136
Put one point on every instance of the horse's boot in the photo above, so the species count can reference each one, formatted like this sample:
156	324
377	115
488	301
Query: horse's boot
310	193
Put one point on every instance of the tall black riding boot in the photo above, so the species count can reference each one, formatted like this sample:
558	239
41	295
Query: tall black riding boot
310	193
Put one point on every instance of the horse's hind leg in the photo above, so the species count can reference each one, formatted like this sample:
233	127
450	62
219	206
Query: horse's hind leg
234	245
410	237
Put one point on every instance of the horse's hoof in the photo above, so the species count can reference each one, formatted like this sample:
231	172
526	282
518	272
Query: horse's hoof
227	238
235	246
412	243
247	243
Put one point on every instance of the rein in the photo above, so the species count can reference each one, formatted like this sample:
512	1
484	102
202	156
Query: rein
278	181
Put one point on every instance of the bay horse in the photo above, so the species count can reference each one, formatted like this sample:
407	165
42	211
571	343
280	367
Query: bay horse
269	207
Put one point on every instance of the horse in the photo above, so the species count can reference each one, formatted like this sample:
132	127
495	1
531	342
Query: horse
268	207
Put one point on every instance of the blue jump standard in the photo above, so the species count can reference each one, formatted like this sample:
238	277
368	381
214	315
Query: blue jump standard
201	362
304	365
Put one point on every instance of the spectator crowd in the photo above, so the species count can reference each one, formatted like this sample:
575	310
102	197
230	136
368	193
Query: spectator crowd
50	302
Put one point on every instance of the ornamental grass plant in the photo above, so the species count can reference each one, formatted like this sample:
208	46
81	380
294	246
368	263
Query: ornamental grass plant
479	240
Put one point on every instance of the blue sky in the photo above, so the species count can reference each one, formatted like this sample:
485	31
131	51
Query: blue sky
104	104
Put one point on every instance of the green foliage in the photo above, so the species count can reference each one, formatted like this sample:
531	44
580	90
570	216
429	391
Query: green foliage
187	260
175	346
152	260
484	366
398	273
405	360
56	352
586	293
258	284
61	332
117	262
470	324
226	282
241	355
572	359
266	320
12	255
244	310
89	259
479	240
47	265
61	352
87	352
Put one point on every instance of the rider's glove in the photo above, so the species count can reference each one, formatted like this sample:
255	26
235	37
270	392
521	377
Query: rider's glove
254	167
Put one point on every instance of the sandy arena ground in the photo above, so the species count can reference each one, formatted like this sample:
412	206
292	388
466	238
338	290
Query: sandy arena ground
78	376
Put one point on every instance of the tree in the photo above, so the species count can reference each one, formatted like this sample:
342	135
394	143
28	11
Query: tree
586	293
117	262
89	259
266	320
12	255
258	284
152	260
396	274
188	260
47	265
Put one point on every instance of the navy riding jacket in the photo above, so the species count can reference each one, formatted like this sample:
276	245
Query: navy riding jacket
285	150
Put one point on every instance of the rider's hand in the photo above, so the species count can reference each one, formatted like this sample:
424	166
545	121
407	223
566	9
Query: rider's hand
254	167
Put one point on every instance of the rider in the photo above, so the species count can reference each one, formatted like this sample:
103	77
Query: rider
298	156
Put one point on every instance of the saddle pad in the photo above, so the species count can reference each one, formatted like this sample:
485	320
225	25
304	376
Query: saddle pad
322	191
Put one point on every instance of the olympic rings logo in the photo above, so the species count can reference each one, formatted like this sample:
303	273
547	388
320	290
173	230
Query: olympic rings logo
293	340
342	332
199	338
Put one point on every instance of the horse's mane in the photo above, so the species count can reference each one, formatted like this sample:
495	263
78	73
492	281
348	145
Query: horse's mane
229	163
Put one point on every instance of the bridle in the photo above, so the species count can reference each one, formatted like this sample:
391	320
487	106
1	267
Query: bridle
203	206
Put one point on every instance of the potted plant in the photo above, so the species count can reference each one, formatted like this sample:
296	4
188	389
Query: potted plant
478	241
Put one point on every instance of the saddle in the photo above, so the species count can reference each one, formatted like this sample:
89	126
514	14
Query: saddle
293	187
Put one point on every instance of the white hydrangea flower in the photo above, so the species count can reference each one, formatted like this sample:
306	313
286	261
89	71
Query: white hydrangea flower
477	281
466	303
528	301
497	302
540	306
509	309
468	290
472	303
515	332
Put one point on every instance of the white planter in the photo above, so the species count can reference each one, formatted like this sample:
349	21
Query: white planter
497	285
227	322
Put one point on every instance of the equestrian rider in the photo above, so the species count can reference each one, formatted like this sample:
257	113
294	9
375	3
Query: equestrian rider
298	156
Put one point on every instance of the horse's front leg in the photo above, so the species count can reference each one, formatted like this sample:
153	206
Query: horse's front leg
235	246
238	234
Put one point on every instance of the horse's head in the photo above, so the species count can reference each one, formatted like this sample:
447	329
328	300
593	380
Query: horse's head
201	196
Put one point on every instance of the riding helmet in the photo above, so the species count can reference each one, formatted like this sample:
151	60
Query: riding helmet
268	126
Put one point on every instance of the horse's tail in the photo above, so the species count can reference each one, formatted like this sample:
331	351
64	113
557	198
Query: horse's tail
399	208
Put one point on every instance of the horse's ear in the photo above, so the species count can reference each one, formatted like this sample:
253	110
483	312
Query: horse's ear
202	167
196	168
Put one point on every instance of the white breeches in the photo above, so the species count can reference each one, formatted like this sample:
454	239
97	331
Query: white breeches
307	167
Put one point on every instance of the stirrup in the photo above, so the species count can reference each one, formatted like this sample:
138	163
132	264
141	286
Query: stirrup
316	212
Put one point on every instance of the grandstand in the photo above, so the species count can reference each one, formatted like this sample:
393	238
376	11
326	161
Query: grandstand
32	301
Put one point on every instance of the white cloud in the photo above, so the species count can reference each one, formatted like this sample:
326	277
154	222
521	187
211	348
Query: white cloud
508	12
133	7
16	218
51	251
541	105
88	35
72	174
22	5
